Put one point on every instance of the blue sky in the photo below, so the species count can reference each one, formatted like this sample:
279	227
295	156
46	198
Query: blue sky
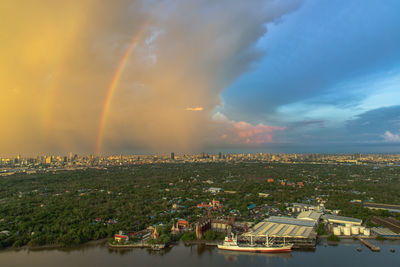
330	74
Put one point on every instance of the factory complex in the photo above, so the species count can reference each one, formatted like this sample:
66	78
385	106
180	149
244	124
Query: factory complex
299	232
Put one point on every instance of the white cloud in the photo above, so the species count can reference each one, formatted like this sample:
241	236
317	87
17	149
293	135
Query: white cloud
390	137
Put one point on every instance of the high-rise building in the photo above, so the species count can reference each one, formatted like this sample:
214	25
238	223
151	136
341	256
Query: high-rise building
172	156
220	155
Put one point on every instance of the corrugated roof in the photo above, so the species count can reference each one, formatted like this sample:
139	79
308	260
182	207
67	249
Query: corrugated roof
277	229
341	218
384	232
292	221
289	229
280	230
311	215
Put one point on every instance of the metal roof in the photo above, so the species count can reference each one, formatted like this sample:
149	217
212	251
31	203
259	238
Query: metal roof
292	221
384	232
280	230
341	218
309	215
382	206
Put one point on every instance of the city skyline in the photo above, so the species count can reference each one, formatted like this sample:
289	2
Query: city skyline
132	77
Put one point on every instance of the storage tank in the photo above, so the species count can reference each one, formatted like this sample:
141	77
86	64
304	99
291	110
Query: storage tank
341	228
362	228
355	230
336	231
367	231
347	231
349	225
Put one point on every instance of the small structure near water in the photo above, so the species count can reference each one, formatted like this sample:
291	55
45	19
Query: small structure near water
369	245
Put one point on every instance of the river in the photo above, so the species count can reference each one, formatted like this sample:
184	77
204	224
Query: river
344	254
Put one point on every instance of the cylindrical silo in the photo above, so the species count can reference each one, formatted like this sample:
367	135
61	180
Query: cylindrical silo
355	230
347	231
367	231
362	228
336	231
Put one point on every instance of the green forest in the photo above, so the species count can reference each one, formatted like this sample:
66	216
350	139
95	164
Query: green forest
72	207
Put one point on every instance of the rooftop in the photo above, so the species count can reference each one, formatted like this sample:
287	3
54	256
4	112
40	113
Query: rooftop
381	206
384	232
309	215
342	218
273	229
291	221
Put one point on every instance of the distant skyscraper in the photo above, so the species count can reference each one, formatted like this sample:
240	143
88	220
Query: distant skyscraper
172	155
220	155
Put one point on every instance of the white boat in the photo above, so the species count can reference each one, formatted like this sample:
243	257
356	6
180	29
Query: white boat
230	243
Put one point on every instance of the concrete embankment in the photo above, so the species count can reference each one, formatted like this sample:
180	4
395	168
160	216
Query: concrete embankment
138	245
203	242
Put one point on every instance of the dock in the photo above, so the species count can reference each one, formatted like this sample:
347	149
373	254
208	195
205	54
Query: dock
369	245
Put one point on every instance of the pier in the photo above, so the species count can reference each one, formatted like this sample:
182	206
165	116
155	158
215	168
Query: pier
369	245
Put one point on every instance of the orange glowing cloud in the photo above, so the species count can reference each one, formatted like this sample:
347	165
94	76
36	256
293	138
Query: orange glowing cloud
117	77
195	109
244	133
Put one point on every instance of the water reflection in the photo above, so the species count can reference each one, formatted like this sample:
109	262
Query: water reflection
233	255
344	254
161	252
201	248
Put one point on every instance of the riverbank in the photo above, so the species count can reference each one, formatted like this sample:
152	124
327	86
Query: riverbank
211	243
57	246
138	245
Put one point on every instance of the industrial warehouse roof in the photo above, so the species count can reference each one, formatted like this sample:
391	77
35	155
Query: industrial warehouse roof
310	215
273	229
292	221
384	232
334	218
381	206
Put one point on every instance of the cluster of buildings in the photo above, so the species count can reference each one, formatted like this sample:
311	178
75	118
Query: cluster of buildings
345	226
218	225
298	231
12	165
214	205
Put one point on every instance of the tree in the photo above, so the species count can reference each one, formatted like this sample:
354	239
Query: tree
189	236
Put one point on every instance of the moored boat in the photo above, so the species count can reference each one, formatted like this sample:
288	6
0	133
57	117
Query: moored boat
230	243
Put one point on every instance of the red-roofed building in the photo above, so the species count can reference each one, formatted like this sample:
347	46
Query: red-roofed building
270	180
203	205
121	237
183	224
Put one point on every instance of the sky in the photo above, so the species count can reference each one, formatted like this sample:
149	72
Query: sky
130	76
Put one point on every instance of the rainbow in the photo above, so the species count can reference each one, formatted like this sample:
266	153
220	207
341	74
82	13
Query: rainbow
113	85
